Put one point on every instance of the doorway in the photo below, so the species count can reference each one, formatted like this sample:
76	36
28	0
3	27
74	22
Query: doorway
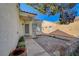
26	29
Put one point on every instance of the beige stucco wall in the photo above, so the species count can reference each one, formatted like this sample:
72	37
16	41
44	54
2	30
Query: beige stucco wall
72	28
8	28
21	28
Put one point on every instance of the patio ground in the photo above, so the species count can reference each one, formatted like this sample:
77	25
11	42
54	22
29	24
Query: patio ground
45	45
34	49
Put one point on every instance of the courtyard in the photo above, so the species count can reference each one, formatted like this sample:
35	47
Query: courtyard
39	29
44	45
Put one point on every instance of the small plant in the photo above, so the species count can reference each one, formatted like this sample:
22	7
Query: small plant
21	39
21	43
20	49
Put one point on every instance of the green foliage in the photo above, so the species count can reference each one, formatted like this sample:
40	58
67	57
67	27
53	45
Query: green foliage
71	5
21	43
67	17
42	7
54	7
21	39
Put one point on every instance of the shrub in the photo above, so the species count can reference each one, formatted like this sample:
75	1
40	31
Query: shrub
21	39
21	43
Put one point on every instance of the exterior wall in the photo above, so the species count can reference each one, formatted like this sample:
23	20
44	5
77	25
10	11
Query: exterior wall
8	28
27	18
71	29
21	28
45	27
33	31
30	28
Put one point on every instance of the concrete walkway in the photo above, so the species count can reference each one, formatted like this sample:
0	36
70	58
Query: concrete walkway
34	49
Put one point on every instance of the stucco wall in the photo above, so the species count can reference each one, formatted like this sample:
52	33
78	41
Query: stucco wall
21	28
8	28
72	28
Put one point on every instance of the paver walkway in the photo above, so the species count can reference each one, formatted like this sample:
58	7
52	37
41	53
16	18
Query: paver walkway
49	46
34	49
55	46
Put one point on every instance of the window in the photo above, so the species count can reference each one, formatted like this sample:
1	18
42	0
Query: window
50	28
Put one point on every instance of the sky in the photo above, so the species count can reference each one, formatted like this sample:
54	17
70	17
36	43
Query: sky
41	16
